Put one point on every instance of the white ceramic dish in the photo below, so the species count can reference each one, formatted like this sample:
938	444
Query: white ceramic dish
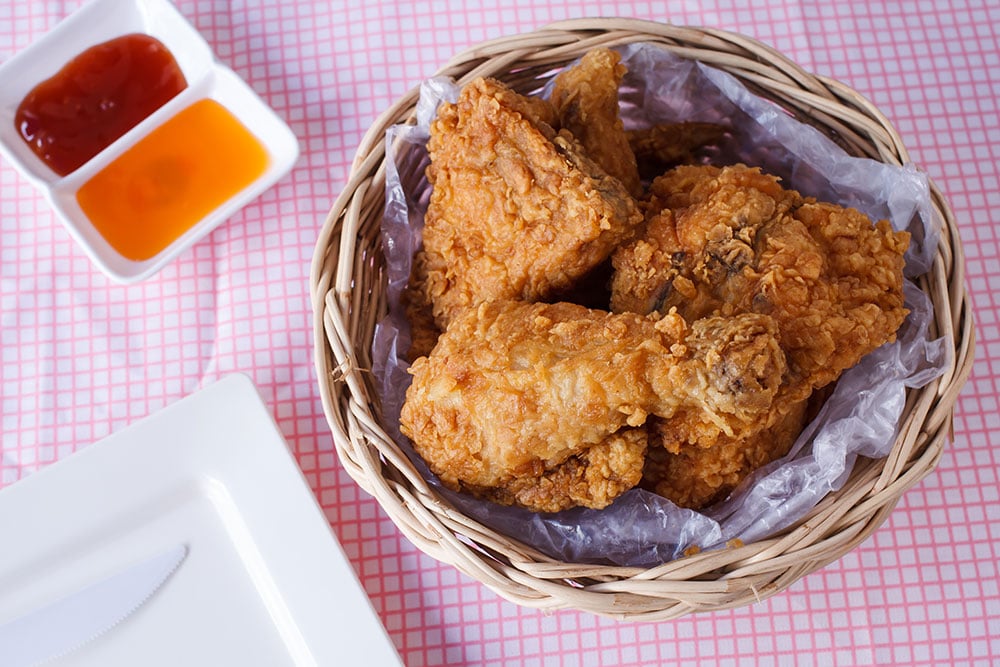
264	582
96	22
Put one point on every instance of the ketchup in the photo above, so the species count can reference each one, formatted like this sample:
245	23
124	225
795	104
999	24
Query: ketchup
97	97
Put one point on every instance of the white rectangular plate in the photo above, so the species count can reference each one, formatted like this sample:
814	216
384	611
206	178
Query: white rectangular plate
265	581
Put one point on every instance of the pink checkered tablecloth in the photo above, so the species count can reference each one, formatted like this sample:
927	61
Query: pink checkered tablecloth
81	357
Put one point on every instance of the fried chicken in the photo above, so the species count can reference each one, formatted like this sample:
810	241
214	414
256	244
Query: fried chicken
424	330
733	300
667	145
593	478
516	211
695	477
515	396
732	240
585	97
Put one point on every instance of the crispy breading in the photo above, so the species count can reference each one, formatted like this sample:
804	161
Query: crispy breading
517	211
513	390
424	331
668	145
585	97
726	241
593	478
732	240
696	477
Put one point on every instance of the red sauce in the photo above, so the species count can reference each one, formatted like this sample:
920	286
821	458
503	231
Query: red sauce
97	97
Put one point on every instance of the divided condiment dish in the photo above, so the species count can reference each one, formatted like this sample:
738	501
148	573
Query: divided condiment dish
98	22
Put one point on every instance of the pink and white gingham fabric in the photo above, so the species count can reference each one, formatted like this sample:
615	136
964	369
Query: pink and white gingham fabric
81	357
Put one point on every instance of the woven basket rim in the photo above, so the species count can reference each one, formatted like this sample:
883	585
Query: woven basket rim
348	296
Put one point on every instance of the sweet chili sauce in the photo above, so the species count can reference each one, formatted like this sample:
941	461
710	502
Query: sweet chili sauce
97	97
172	178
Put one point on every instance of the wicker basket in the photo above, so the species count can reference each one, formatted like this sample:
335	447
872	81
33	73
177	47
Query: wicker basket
349	297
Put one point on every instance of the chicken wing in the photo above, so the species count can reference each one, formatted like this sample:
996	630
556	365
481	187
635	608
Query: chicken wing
513	391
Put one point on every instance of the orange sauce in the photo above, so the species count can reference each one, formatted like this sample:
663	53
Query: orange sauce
95	98
182	171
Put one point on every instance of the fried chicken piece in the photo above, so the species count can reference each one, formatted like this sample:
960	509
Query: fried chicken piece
696	477
732	240
667	145
585	97
512	391
424	331
593	478
517	211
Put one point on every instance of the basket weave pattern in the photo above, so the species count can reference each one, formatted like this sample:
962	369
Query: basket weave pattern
349	297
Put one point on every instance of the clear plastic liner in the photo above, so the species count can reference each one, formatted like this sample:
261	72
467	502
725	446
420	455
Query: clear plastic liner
861	416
